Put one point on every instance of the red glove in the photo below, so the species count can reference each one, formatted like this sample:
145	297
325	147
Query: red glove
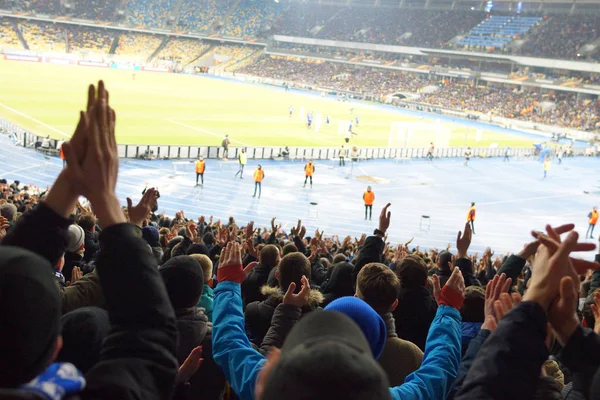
232	272
451	297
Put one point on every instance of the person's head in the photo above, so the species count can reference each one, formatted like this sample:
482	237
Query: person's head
412	272
472	204
368	188
231	220
208	239
473	305
378	286
325	356
76	239
338	258
87	222
151	236
310	161
595	208
30	307
468	148
9	211
201	158
207	267
291	269
184	279
83	331
370	323
444	261
289	248
243	150
269	256
259	166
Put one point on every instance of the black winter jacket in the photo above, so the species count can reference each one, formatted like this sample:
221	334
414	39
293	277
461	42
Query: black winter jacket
414	314
251	286
258	315
138	356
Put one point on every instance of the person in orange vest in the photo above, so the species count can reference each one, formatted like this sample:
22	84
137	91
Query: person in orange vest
369	198
471	216
309	170
62	154
259	175
200	168
593	219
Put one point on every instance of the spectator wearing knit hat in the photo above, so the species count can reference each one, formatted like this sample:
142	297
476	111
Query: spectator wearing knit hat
75	251
151	236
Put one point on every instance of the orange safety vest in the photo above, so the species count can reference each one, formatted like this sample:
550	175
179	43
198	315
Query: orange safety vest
369	197
62	152
259	174
471	214
309	169
593	217
200	167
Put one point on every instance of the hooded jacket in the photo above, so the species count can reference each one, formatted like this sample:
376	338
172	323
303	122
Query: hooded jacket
258	315
340	284
416	309
252	285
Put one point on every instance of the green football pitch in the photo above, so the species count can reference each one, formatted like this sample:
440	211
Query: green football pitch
170	109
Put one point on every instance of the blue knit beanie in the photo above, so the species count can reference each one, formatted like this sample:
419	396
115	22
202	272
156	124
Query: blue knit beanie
370	323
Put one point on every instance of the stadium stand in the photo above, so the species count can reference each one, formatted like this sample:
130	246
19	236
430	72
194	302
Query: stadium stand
225	55
48	7
303	19
148	13
8	35
202	16
88	40
41	36
496	32
182	51
101	10
249	18
138	45
562	37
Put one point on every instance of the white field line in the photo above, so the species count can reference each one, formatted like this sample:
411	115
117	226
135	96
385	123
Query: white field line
37	121
204	131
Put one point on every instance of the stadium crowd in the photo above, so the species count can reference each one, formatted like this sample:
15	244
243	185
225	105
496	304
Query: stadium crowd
89	40
567	110
202	17
182	51
108	301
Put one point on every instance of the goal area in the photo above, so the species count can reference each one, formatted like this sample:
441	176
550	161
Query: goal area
419	134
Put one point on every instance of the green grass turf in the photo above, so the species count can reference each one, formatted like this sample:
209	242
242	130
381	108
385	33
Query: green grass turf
173	109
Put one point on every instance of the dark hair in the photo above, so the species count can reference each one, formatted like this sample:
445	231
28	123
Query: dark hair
87	222
339	258
473	305
445	258
289	248
269	255
208	238
378	286
412	272
291	268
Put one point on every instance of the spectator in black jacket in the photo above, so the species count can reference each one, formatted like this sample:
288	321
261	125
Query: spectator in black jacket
184	280
416	306
268	259
138	356
340	283
258	314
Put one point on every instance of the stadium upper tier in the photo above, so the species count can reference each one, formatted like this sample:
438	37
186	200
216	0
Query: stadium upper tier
556	36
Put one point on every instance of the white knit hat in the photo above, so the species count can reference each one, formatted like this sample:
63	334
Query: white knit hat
76	238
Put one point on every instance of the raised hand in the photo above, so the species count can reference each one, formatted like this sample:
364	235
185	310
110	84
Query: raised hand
190	365
250	247
76	275
230	264
140	212
463	241
191	231
493	291
436	288
596	311
384	218
4	225
300	299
